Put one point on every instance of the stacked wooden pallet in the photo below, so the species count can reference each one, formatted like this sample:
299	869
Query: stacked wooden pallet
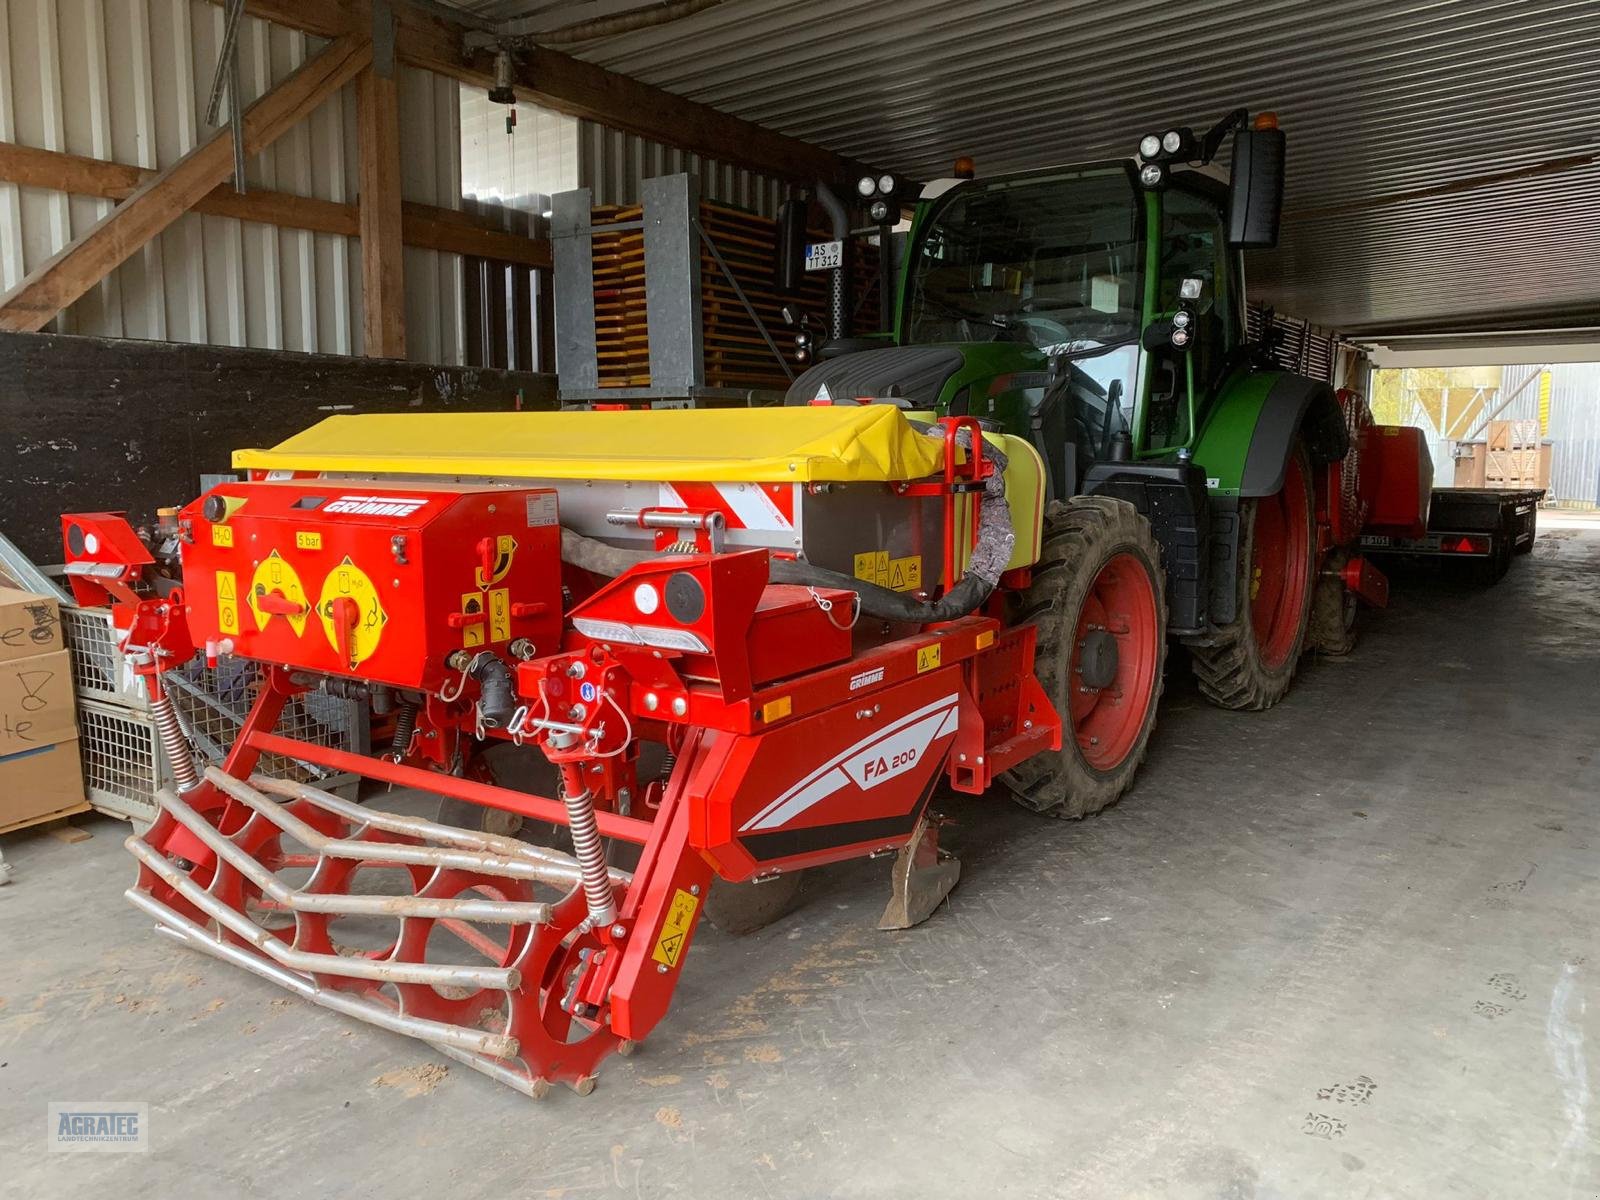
1514	455
736	354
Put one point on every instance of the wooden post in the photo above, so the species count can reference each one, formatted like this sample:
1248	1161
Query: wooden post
382	250
161	200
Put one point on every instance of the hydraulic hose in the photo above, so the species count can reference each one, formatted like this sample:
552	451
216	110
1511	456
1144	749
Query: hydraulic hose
497	690
988	560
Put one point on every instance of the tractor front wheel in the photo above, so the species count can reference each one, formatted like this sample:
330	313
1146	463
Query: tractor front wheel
1250	662
1097	605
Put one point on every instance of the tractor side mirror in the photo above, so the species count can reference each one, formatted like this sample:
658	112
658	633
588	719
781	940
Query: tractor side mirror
789	262
1255	203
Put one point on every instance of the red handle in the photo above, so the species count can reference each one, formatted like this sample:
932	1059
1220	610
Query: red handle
346	612
277	602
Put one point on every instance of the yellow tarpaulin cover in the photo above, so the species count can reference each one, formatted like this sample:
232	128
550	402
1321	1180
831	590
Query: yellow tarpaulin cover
835	444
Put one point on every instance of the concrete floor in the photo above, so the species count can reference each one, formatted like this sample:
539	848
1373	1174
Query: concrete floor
1342	949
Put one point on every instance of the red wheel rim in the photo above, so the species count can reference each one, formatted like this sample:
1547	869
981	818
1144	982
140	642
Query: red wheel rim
1279	581
1115	652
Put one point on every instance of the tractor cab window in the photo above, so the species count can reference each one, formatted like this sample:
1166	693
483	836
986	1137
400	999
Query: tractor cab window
1050	261
1194	246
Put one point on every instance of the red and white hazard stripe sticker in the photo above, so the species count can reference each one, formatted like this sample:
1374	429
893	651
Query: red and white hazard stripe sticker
761	507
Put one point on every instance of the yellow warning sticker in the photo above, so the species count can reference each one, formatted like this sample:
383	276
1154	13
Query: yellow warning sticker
901	574
500	615
929	657
905	574
275	577
873	566
222	535
505	549
227	602
363	623
675	929
308	539
473	634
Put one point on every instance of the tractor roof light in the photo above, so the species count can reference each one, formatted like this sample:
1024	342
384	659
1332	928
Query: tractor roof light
886	185
1152	175
964	168
866	186
1191	288
879	211
1172	141
1149	146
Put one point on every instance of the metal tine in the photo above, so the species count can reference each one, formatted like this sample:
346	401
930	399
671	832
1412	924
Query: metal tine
518	867
381	970
505	912
437	1034
465	839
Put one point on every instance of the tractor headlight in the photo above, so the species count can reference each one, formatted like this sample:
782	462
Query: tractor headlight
865	186
886	184
1180	338
1180	320
879	211
1190	289
1172	141
1149	146
1151	175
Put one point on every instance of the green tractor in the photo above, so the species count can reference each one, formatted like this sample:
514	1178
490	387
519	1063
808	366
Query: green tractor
1098	311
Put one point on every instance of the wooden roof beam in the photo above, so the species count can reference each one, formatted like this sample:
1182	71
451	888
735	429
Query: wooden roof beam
162	199
570	85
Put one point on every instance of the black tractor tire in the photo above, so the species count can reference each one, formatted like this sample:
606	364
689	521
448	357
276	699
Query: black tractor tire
1081	537
1232	666
1335	626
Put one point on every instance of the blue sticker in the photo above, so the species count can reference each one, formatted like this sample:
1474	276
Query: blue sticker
587	691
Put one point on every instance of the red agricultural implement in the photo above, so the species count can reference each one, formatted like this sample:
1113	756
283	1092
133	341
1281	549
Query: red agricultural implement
739	643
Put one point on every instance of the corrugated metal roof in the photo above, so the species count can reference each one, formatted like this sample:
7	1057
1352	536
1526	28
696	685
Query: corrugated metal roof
1379	99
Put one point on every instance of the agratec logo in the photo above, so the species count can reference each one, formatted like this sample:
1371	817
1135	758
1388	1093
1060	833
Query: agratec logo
97	1126
375	506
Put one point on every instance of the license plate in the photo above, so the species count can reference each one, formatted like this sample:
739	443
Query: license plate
824	256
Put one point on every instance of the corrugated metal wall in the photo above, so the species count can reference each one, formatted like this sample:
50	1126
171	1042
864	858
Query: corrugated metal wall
613	164
127	81
1575	430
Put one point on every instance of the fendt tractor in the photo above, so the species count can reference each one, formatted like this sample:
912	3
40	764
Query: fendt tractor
742	643
1097	312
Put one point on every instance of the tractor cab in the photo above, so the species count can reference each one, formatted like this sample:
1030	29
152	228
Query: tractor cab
1094	309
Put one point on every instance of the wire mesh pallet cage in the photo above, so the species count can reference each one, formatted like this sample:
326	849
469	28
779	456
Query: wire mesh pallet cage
123	764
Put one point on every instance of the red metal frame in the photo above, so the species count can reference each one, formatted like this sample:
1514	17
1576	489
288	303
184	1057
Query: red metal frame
799	740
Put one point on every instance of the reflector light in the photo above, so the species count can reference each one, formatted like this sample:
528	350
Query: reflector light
646	599
606	631
670	639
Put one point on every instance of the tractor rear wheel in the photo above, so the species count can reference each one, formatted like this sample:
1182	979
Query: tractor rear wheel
1097	603
1251	661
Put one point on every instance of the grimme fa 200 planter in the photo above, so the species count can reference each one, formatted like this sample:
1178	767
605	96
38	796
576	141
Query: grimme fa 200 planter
711	650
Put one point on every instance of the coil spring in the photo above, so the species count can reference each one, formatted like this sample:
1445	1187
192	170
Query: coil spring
405	727
180	756
590	852
668	761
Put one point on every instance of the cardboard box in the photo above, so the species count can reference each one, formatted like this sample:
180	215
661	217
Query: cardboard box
36	702
29	624
42	782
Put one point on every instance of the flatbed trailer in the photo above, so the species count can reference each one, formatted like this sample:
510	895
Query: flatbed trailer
1489	525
